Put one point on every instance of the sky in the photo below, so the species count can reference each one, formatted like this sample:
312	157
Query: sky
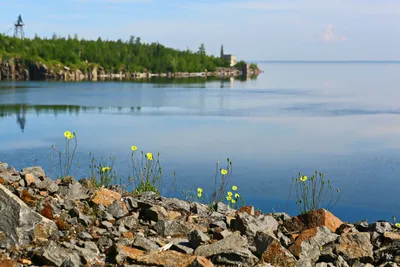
252	30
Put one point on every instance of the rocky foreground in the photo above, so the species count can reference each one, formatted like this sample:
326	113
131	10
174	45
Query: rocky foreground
71	223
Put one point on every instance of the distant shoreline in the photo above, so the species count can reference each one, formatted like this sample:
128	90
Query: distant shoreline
330	61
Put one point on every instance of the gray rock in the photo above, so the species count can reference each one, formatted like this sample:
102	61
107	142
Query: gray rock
35	171
122	229
198	208
47	184
21	224
388	264
182	248
54	254
3	166
197	238
89	252
355	247
107	224
249	225
171	228
85	236
340	262
72	191
145	244
177	204
155	213
285	241
117	209
130	203
105	216
82	218
130	222
219	223
103	243
223	208
229	251
380	227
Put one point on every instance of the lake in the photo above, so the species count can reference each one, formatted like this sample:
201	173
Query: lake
342	119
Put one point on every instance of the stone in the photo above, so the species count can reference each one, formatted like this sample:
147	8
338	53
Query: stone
107	224
355	246
220	224
23	225
197	238
117	209
271	251
229	251
165	259
177	204
388	264
307	246
121	253
30	179
198	208
249	225
324	264
105	197
130	222
72	191
130	203
3	166
155	213
145	244
182	248
312	219
340	262
171	228
247	209
35	171
54	254
90	254
82	218
346	228
48	185
85	236
391	238
380	227
200	261
223	208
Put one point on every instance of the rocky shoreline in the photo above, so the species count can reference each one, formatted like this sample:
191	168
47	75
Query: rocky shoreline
72	223
15	70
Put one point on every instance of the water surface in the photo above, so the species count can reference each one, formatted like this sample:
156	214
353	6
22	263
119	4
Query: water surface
339	118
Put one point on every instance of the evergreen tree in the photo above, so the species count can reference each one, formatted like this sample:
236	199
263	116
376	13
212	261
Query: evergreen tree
222	51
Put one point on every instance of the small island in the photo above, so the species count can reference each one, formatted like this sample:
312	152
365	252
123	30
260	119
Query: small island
75	59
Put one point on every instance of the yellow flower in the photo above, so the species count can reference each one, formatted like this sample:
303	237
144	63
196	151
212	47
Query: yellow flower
199	190
304	178
229	198
230	193
104	169
134	148
237	195
224	172
68	135
397	225
234	188
233	201
149	156
199	194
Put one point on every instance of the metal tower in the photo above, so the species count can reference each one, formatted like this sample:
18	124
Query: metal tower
19	28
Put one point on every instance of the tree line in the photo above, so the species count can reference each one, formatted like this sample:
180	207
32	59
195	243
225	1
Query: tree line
132	55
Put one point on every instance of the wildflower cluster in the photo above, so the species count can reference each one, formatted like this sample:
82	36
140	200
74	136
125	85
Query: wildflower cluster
147	172
234	198
312	192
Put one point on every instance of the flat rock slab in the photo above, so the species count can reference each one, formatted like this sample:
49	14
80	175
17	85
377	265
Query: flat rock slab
20	223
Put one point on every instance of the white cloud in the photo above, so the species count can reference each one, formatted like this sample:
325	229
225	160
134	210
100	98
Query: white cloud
330	36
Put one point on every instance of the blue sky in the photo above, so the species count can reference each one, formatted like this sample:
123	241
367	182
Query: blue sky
253	30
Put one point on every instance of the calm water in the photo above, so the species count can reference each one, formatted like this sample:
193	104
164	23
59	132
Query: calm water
341	119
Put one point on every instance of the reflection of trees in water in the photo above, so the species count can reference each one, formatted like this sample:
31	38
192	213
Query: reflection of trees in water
20	110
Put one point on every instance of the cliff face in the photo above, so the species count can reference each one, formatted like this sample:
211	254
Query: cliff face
14	69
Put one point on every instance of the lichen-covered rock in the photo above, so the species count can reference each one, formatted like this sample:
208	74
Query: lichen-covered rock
355	246
21	224
271	251
105	197
312	219
117	209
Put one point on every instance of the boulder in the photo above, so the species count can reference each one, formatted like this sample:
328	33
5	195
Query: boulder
312	219
229	251
355	246
57	255
21	224
249	225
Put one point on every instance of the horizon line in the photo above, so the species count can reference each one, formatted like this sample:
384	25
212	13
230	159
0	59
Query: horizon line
325	61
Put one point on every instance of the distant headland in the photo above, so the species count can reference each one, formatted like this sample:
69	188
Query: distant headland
75	59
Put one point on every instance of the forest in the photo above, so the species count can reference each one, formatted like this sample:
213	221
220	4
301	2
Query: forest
132	55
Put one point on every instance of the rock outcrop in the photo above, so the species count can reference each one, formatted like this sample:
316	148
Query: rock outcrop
72	223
